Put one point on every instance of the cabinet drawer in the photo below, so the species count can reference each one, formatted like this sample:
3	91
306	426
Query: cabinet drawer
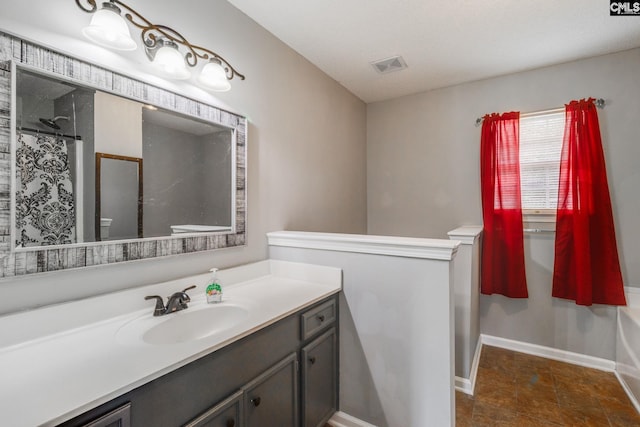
314	320
119	417
227	413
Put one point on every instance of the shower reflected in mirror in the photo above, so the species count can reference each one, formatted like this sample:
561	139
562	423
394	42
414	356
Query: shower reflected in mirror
52	122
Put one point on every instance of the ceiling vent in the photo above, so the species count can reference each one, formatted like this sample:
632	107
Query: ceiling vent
389	65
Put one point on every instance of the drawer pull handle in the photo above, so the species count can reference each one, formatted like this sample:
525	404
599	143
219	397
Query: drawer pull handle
231	422
321	317
312	360
255	401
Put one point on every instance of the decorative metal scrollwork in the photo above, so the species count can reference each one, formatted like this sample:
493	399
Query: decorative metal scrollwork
151	33
92	6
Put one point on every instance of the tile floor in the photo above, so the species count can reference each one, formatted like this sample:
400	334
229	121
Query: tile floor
515	389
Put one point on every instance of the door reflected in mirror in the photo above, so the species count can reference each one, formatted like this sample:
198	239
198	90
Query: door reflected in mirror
119	196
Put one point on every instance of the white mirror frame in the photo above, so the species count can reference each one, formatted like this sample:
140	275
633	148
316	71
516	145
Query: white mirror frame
13	51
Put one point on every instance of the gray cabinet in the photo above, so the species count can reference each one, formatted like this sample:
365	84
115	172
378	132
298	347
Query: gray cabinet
228	413
271	400
319	379
256	381
119	417
318	318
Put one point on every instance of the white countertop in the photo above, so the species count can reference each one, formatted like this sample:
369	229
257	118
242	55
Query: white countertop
60	361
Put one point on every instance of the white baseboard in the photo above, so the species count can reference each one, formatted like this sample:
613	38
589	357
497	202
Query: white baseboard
464	385
550	353
340	419
467	385
633	295
627	390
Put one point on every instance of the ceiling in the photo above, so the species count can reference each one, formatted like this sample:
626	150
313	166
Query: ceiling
443	42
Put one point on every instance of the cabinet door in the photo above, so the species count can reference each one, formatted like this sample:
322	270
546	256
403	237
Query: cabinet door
319	380
227	413
271	400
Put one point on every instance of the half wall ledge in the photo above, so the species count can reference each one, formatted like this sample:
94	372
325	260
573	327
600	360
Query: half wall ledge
410	247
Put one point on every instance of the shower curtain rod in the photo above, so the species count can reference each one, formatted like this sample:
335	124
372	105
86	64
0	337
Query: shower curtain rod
75	137
600	103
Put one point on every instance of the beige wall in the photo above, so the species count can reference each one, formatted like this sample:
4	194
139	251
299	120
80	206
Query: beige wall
423	150
423	180
118	125
306	142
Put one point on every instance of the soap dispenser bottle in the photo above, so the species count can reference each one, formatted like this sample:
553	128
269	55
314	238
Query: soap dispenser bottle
214	289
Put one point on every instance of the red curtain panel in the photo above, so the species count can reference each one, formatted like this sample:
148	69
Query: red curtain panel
586	267
502	270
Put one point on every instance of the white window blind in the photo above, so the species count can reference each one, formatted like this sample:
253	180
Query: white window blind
540	146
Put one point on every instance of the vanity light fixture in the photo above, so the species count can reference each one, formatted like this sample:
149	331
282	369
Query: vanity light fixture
168	60
166	48
109	29
214	77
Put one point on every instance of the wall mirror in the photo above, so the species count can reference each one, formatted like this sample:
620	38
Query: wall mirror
77	141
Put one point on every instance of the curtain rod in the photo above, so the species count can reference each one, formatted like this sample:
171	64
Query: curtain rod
61	135
538	230
600	103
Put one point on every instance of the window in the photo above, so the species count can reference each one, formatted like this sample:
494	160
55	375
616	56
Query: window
540	146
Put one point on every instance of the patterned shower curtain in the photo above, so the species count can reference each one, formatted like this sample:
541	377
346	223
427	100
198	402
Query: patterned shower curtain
45	208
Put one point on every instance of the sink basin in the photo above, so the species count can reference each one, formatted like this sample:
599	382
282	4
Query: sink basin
192	324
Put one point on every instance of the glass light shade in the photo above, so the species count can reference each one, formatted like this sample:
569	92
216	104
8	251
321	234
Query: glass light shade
214	77
170	62
109	29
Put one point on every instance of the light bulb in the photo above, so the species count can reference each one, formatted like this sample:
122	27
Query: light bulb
214	77
109	29
170	62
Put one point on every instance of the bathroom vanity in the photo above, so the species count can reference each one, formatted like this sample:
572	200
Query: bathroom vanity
274	365
253	382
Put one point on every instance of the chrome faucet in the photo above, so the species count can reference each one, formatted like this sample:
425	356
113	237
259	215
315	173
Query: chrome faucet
176	302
